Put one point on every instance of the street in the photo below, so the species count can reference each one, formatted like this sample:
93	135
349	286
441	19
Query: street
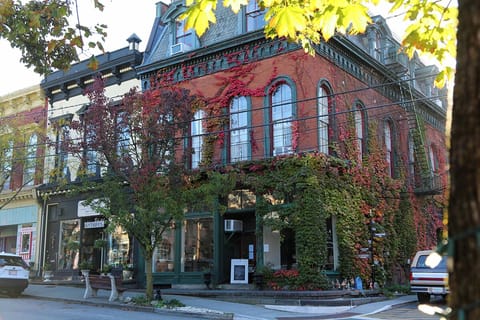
34	309
407	311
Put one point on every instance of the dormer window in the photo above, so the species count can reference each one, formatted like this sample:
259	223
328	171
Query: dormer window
183	39
255	16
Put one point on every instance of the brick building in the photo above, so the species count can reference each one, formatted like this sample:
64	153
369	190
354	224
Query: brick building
267	101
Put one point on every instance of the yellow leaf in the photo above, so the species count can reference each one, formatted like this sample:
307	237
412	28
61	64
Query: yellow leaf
288	21
356	17
93	63
235	4
327	22
199	18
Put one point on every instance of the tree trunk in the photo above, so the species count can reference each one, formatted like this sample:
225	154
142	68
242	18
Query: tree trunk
149	277
464	208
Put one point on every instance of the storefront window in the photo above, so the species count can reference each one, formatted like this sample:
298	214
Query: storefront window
197	244
163	256
119	248
69	248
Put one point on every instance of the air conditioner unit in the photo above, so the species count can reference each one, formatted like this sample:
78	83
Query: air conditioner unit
233	225
179	48
282	150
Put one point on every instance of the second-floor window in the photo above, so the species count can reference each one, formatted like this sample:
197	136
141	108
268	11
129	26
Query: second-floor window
360	130
388	137
30	162
411	157
196	132
123	135
7	159
61	159
324	109
281	118
239	140
91	156
254	16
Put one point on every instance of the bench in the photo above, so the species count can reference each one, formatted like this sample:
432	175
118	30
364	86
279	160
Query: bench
95	282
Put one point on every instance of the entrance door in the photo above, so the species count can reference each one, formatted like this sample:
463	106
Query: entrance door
240	244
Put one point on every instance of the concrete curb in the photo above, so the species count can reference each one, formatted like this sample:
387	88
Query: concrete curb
131	307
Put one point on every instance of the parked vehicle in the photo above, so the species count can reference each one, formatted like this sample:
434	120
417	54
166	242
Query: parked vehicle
13	274
426	281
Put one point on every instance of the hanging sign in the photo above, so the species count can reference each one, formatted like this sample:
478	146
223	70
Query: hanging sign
94	224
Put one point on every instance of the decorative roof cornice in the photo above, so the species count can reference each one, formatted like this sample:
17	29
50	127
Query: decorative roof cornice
116	67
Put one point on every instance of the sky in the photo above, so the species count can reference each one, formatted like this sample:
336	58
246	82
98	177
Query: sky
122	18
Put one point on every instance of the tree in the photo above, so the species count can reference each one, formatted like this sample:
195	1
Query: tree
43	33
464	207
142	187
18	155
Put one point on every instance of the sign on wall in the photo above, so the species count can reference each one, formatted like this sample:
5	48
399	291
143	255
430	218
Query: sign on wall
239	271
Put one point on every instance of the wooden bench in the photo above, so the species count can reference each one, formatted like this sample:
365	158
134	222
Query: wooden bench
95	282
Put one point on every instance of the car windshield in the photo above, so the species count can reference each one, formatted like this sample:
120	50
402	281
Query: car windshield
12	261
422	259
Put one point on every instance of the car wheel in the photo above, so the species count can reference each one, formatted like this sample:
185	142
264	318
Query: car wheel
423	297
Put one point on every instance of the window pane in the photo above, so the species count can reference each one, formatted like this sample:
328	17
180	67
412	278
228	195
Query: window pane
323	109
238	129
282	114
197	249
164	255
255	17
196	132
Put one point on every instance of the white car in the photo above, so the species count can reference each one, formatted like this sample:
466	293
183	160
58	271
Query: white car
13	274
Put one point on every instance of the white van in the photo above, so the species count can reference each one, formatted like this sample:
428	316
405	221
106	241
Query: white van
13	274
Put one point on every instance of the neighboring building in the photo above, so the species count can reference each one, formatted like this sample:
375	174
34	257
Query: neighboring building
23	124
73	231
278	101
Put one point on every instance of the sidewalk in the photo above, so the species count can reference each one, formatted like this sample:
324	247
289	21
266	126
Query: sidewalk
213	309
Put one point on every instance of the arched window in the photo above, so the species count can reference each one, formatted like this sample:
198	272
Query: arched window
30	163
388	137
239	123
324	110
360	132
196	132
281	116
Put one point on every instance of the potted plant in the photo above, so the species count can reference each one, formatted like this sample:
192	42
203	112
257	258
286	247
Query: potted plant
127	271
260	276
107	268
100	243
85	267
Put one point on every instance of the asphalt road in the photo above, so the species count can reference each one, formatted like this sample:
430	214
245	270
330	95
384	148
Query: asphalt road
33	309
408	311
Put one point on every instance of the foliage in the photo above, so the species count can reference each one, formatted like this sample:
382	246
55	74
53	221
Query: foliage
431	25
85	265
169	304
42	32
143	300
143	188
